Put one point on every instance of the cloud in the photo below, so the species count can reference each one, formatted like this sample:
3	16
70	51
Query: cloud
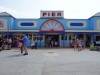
15	13
69	14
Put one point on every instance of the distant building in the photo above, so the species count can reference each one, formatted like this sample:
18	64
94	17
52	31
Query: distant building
52	24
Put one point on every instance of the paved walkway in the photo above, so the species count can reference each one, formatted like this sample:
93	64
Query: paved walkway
50	62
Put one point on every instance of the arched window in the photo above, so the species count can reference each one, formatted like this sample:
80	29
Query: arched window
52	26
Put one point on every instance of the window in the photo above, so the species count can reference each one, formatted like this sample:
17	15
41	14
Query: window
65	37
62	37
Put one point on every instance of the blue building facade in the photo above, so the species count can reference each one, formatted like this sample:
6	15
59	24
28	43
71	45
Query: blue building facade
59	29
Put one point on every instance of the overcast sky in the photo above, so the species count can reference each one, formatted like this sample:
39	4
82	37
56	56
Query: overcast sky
73	9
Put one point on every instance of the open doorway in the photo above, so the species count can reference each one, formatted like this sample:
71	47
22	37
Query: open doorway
52	40
88	40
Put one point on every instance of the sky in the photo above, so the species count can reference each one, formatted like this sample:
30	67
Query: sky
73	9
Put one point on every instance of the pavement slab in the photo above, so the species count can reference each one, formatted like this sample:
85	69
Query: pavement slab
60	61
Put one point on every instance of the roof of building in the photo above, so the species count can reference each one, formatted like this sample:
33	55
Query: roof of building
97	14
5	14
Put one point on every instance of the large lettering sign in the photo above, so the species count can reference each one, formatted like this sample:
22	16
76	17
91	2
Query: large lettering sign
52	14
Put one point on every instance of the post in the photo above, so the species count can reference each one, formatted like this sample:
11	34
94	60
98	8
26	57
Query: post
84	39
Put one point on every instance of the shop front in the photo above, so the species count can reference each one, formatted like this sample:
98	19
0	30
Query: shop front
52	27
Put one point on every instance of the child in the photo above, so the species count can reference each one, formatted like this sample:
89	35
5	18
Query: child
20	45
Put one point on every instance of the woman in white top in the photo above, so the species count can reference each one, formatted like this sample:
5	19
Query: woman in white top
79	45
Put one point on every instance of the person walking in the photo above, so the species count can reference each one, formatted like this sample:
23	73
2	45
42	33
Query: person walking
49	41
9	43
25	44
79	45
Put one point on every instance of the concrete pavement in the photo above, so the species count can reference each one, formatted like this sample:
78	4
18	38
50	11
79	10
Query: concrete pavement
59	61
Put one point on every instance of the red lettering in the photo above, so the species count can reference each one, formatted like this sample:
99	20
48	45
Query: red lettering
48	14
58	14
53	13
44	13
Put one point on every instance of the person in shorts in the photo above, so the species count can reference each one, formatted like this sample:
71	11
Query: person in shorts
25	44
9	43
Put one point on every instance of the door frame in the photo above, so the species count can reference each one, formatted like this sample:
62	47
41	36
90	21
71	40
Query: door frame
51	35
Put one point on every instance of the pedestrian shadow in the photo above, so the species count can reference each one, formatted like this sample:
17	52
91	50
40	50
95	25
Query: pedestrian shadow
16	51
15	55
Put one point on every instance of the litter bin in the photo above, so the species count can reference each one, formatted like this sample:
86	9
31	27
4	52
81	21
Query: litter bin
92	48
